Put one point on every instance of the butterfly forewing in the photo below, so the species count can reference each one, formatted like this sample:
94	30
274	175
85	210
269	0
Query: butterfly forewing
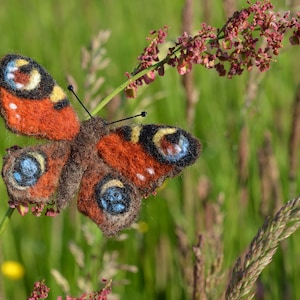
31	102
148	154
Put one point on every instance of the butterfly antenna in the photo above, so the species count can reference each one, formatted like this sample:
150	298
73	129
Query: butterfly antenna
71	89
142	114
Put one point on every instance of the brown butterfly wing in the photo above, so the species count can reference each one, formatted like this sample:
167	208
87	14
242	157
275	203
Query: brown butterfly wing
31	174
131	163
117	168
109	199
105	196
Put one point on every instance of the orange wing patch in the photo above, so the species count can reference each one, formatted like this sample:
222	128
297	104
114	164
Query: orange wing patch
38	117
132	161
31	174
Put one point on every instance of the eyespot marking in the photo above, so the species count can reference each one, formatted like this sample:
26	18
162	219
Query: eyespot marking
28	168
112	196
171	144
19	76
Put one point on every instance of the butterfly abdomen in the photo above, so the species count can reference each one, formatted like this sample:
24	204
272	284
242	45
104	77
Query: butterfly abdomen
83	155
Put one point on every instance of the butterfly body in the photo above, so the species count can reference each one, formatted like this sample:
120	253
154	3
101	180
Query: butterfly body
110	169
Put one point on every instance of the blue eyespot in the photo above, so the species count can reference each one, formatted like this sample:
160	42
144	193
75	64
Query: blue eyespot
176	151
112	196
23	77
113	200
27	170
8	74
170	145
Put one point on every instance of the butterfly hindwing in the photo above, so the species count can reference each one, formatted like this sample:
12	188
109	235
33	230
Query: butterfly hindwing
31	102
31	174
109	199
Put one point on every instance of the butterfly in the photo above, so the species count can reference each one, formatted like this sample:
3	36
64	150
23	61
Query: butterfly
109	168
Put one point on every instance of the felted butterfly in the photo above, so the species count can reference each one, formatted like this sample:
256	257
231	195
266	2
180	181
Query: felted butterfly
111	169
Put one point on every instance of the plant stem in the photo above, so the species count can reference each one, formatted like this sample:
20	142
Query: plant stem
6	219
123	86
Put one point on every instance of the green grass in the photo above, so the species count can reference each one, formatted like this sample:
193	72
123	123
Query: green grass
153	265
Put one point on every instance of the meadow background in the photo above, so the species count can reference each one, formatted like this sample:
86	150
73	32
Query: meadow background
225	196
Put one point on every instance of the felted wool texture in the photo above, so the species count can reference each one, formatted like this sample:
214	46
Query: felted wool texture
87	203
83	154
38	117
56	155
85	167
69	182
39	108
156	139
146	139
84	151
84	145
133	162
23	75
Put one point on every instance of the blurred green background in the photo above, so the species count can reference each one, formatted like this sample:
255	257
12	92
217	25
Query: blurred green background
215	197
